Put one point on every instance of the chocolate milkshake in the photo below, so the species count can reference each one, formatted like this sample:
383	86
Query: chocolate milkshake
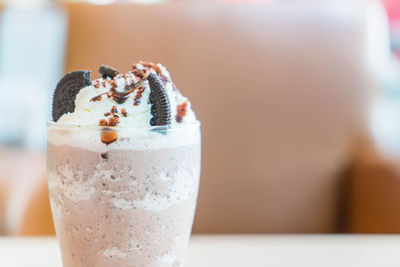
123	168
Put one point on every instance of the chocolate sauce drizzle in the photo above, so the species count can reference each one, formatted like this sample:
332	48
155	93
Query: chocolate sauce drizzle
97	98
122	97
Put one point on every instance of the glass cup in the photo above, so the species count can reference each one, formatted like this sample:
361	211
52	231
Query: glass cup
128	203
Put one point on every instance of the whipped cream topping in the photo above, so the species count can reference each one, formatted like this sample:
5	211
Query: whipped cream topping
97	104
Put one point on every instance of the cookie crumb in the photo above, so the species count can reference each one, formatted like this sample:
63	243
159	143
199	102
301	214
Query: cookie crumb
103	122
108	137
181	112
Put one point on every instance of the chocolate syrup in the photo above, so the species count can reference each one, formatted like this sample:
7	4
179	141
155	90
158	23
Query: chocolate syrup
119	97
96	98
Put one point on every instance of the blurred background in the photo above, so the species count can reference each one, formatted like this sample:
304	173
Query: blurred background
299	101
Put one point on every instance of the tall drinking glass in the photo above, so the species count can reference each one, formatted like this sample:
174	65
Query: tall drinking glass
129	203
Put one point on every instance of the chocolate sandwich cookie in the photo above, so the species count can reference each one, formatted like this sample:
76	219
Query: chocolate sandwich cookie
67	89
161	108
108	72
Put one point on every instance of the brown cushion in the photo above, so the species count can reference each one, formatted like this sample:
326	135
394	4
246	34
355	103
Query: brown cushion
374	199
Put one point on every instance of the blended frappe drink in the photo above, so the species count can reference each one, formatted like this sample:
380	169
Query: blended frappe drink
123	168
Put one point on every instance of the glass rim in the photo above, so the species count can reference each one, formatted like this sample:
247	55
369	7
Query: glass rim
51	123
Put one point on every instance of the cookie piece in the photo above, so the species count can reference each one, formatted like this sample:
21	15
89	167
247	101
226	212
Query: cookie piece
161	108
107	71
67	89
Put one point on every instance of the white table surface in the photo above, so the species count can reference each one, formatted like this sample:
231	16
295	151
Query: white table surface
239	250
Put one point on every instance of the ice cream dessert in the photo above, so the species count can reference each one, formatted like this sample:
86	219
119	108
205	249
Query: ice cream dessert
123	168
